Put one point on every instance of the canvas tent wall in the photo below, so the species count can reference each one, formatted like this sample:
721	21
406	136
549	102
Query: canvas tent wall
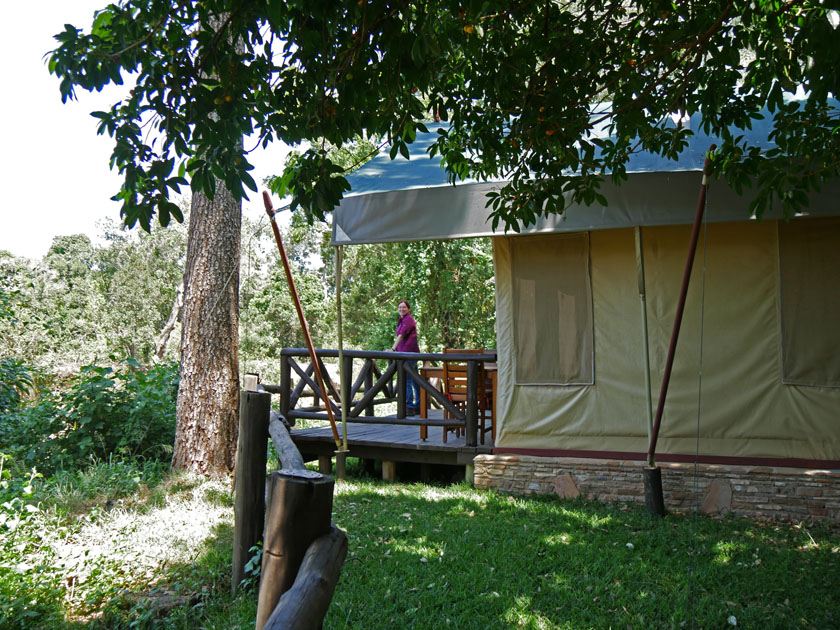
765	391
571	375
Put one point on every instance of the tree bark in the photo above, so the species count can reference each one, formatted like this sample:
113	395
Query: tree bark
208	396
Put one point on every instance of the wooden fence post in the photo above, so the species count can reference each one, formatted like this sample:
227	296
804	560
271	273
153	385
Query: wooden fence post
299	511
249	480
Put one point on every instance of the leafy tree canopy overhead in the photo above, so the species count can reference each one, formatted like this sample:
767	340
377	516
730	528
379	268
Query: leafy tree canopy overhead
518	81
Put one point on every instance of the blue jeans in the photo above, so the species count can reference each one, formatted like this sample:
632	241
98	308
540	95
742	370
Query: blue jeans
412	389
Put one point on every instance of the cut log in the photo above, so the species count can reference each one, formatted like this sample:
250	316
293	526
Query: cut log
304	606
299	511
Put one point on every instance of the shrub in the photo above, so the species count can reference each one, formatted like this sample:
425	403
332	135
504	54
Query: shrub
15	380
106	412
125	412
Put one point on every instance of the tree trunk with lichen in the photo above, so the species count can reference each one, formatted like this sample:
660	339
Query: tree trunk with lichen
208	395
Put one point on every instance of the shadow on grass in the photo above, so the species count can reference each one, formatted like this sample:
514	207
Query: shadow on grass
185	595
191	594
430	557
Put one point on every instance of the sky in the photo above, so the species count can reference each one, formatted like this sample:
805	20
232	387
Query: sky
55	173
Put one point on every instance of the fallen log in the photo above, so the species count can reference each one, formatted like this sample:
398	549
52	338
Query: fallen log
304	606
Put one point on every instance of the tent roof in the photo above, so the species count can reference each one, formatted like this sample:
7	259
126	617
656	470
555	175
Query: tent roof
410	200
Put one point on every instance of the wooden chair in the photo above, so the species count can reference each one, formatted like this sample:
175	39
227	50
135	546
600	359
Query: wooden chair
455	388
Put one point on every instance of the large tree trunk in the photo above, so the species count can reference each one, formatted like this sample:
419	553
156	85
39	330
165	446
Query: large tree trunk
208	396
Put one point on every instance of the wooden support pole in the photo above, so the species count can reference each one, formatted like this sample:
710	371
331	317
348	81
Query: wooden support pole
304	606
369	409
325	464
401	406
469	474
472	404
341	465
389	471
299	511
249	480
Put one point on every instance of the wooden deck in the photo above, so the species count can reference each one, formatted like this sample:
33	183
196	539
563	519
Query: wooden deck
395	443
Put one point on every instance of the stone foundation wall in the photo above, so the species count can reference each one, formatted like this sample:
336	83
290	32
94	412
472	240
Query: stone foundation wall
790	494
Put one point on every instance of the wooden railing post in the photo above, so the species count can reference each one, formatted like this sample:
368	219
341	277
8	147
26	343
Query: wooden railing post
401	388
347	385
285	384
472	403
371	408
249	483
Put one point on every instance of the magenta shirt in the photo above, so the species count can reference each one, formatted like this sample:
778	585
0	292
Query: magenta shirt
407	327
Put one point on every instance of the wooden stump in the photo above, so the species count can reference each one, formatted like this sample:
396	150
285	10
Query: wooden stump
299	511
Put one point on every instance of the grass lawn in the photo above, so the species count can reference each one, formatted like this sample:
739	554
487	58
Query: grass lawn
428	557
156	554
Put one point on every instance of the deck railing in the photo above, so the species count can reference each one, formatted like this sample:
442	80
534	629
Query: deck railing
369	386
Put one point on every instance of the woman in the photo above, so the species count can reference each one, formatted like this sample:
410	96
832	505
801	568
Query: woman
406	341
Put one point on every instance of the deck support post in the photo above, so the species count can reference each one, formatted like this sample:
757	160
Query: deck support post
251	456
389	471
325	464
469	474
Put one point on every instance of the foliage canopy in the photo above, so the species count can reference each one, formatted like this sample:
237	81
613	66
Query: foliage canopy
518	81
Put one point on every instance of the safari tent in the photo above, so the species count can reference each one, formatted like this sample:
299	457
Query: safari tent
756	378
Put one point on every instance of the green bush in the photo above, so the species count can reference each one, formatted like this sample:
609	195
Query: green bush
125	412
106	412
15	380
28	434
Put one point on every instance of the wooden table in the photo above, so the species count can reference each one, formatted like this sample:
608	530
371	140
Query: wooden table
491	369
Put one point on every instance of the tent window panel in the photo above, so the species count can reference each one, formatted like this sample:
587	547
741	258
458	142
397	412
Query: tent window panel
809	258
553	310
